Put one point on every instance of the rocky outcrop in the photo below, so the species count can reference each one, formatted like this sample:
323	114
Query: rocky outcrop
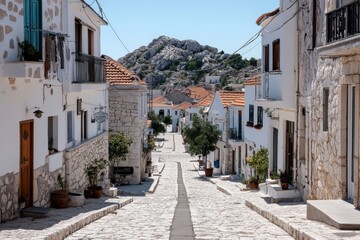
171	62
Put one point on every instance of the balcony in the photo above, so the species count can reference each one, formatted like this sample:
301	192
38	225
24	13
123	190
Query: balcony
89	69
343	22
234	135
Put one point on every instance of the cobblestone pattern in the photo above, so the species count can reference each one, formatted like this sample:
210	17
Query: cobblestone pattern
77	159
125	116
61	222
214	214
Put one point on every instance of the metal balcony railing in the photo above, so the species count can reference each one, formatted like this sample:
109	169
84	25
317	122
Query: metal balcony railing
343	22
89	69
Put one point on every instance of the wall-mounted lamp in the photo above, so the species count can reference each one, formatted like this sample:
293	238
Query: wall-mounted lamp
38	113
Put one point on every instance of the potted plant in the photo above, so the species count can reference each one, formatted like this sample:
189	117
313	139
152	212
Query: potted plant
253	182
29	52
274	175
92	171
249	124
258	126
208	170
51	148
59	198
284	180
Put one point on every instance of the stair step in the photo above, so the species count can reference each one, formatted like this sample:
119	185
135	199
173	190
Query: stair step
35	212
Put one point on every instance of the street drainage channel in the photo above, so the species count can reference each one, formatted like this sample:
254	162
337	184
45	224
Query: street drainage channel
182	227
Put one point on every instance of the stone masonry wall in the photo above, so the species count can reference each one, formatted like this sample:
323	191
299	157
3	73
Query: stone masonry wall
11	17
124	116
77	158
328	168
44	183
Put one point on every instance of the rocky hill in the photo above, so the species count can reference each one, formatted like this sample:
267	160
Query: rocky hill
168	62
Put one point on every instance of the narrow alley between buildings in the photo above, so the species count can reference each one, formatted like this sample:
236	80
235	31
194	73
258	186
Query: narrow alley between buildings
214	215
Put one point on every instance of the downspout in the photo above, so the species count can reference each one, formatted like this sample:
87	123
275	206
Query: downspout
297	111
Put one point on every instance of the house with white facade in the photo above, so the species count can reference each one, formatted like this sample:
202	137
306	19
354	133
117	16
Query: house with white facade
200	109
161	106
277	92
177	114
226	112
128	114
57	100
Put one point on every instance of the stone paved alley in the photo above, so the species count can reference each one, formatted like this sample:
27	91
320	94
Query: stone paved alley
214	214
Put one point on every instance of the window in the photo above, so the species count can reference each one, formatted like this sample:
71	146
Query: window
69	126
90	42
251	113
325	109
260	116
266	58
176	113
83	125
276	55
52	133
314	23
78	34
32	23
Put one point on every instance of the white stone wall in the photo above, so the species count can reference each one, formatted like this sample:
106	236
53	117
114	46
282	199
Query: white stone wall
125	116
77	158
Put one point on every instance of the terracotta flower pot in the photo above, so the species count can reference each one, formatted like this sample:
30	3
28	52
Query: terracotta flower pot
208	172
59	199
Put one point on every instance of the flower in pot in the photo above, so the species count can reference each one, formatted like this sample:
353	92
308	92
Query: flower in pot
284	180
59	198
92	171
29	52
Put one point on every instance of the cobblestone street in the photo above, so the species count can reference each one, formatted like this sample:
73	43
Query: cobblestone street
214	214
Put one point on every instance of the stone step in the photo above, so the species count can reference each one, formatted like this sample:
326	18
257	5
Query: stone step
225	177
336	213
35	212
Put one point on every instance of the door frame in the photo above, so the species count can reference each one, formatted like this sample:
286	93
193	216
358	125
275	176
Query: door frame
31	159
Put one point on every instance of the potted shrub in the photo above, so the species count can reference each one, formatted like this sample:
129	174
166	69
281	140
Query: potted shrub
284	180
29	52
59	198
249	124
253	182
258	126
208	170
92	171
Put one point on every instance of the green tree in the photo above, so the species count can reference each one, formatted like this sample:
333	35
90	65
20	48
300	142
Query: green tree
157	125
167	120
260	162
236	61
253	62
119	145
201	137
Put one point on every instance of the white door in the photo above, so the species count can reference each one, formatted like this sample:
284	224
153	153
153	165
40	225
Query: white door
351	141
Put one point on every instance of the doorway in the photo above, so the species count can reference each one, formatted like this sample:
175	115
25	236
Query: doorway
26	161
275	150
289	141
351	128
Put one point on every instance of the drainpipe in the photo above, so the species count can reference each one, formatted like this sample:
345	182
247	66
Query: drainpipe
297	108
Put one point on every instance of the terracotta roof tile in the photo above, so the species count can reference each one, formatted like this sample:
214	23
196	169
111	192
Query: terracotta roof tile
232	98
266	15
205	102
117	74
161	101
182	106
255	80
196	92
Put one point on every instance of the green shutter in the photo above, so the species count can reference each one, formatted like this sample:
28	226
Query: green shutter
32	22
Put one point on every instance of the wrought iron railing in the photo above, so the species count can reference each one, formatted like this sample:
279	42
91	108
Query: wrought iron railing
343	22
89	69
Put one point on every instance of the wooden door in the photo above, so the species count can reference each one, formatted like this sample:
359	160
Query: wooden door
26	161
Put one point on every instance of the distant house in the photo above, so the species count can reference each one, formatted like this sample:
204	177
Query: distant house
212	80
178	113
128	114
51	127
197	93
177	97
226	112
161	106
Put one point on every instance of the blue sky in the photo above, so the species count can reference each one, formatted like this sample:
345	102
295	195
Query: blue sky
224	24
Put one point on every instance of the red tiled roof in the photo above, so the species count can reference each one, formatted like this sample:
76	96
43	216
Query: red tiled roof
182	106
161	101
232	98
196	92
117	74
266	15
255	80
205	102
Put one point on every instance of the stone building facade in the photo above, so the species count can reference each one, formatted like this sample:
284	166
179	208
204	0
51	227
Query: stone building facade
328	110
128	114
